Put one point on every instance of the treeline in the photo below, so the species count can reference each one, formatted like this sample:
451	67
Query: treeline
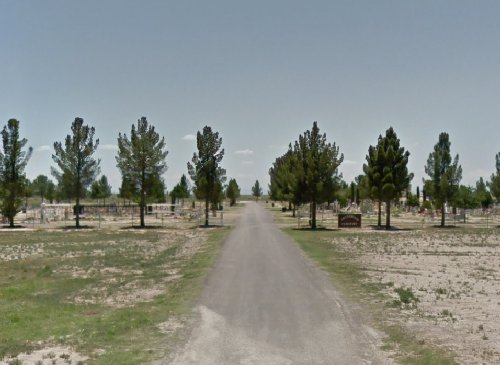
141	159
308	174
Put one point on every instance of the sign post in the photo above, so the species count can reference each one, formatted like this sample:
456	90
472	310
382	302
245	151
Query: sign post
348	220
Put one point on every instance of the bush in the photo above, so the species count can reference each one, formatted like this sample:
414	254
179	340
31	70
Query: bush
406	296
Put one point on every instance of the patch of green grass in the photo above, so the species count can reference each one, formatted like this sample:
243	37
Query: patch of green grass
38	291
406	296
349	278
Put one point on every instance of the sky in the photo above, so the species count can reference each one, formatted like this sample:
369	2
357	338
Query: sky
258	72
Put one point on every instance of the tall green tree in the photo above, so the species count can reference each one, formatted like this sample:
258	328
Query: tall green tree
232	191
257	190
141	160
205	170
466	198
285	176
155	190
100	189
373	171
494	183
13	161
387	172
320	161
445	174
180	191
127	190
64	189
43	187
483	195
78	169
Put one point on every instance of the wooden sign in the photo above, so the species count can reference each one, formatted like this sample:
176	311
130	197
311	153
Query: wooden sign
347	220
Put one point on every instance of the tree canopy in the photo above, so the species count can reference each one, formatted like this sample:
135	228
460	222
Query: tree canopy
232	191
181	190
308	172
386	171
43	187
100	189
141	161
445	174
78	169
13	161
205	170
256	190
494	183
285	175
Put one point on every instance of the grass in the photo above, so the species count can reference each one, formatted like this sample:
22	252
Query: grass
39	288
349	278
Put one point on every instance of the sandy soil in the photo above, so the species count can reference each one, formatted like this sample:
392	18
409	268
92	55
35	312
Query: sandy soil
120	286
455	275
49	356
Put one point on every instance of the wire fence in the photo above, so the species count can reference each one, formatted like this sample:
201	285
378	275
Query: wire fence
63	215
404	220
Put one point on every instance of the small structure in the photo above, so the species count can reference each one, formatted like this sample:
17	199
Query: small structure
54	212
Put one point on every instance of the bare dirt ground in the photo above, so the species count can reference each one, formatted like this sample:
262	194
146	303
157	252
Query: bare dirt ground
455	276
100	270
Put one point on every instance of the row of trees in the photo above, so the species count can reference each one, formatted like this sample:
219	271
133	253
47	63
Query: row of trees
308	174
141	159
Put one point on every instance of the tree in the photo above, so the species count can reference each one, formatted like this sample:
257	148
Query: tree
78	169
466	198
412	200
352	192
28	191
100	189
483	195
494	183
13	161
319	162
256	190
141	160
181	190
232	191
64	189
285	176
155	190
205	171
127	190
43	187
387	172
445	175
51	191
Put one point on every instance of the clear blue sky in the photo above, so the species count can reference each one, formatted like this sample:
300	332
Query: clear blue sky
259	72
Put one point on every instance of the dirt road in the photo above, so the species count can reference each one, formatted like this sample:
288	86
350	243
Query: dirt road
265	303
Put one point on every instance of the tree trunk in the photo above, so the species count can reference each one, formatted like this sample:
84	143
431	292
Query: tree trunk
293	210
442	216
172	200
206	212
313	214
388	215
77	211
379	224
142	206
